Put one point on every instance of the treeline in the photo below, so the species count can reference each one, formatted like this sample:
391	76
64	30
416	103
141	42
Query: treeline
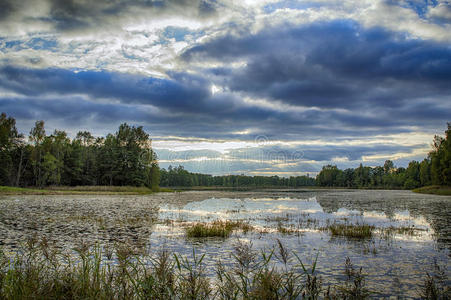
178	176
433	170
126	158
123	158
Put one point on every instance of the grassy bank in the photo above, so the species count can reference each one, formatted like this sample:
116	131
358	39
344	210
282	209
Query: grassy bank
126	272
435	190
79	190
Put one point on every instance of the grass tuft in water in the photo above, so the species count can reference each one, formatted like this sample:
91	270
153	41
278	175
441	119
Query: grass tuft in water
221	229
201	230
357	231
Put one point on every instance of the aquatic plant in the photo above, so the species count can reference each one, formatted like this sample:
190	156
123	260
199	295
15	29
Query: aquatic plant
436	285
201	230
357	231
221	229
354	286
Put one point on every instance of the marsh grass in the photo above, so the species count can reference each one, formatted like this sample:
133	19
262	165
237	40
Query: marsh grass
355	231
354	286
221	229
41	271
389	232
436	285
287	230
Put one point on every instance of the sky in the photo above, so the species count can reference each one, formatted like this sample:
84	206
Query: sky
256	87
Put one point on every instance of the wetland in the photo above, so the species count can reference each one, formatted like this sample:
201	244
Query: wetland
395	237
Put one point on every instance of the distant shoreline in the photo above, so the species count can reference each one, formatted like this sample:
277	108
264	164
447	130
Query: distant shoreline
130	190
434	190
79	190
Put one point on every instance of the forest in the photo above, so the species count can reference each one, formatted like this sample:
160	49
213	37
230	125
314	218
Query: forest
123	158
433	170
178	176
126	158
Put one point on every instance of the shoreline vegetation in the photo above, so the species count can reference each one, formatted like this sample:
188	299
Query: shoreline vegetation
81	190
434	190
42	271
125	163
132	190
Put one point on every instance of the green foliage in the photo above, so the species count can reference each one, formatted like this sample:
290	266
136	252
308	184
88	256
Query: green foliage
125	158
434	189
436	169
440	157
11	143
179	177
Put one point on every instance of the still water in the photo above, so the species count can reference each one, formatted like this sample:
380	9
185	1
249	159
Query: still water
412	231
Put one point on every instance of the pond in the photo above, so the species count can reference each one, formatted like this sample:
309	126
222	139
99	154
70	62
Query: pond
409	232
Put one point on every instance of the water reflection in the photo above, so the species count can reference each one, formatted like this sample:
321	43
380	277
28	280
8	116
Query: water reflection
401	258
303	214
110	219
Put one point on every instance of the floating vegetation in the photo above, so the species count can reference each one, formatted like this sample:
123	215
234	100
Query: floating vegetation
357	231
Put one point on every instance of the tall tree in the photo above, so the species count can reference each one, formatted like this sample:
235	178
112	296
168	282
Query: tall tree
10	142
37	135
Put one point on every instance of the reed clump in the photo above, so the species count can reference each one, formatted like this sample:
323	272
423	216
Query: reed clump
221	229
356	231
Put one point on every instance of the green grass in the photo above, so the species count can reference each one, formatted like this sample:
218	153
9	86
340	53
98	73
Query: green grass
435	190
357	231
9	190
80	190
221	229
203	231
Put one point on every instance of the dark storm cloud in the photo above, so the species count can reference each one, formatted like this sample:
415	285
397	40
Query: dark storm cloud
6	9
371	82
319	152
82	16
73	111
74	15
335	65
183	92
187	107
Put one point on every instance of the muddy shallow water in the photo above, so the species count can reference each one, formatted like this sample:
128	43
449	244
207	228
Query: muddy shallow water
411	230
